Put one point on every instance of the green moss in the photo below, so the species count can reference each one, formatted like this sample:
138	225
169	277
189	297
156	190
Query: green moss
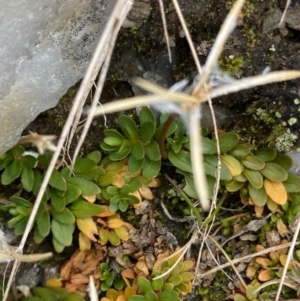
231	64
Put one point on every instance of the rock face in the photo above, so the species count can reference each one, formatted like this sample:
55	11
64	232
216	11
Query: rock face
45	49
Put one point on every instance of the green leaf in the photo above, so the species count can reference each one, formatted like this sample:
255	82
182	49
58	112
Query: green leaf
94	156
134	165
12	223
62	233
181	160
112	190
57	202
108	148
37	237
285	161
258	196
121	154
157	284
227	141
144	285
91	175
169	296
112	133
274	172
152	151
45	294
233	164
113	142
20	201
138	151
151	296
32	298
57	181
113	207
147	131
208	146
104	287
240	151
27	178
44	160
174	279
187	276
128	126
73	192
123	205
210	165
59	247
38	179
43	223
253	162
265	154
73	297
87	187
65	216
254	177
106	179
17	151
29	161
125	189
171	129
137	298
84	209
131	199
20	227
84	165
23	210
146	115
292	184
11	172
151	168
233	185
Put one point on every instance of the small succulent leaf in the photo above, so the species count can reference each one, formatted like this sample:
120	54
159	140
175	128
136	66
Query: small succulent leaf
103	235
147	130
187	276
177	269
233	185
265	153
276	191
208	146
73	297
23	210
254	177
187	265
144	285
292	184
84	209
241	178
119	284
274	172
11	172
57	202
87	187
65	216
137	298
38	179
227	141
45	294
59	247
239	297
112	190
233	164
57	181
258	196
131	199
20	201
285	161
44	159
73	193
37	237
253	162
152	151
176	148
114	223
151	168
138	151
175	279
250	289
121	154
94	156
122	232
29	161
62	233
167	295
157	284
123	205
27	178
104	286
170	130
113	238
125	189
43	223
210	165
105	180
146	115
151	296
84	165
108	148
272	206
128	127
20	227
112	133
181	160
113	142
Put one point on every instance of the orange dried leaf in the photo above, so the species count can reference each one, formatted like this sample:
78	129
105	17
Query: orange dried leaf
53	282
66	270
274	255
258	211
106	212
276	191
264	262
282	228
155	182
122	233
79	279
90	198
118	181
264	275
259	248
88	227
84	242
146	193
284	250
114	223
251	270
128	273
141	269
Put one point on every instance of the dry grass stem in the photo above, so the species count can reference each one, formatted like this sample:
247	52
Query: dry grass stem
288	2
122	5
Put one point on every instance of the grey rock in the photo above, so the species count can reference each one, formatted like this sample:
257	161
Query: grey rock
293	17
296	166
45	49
271	20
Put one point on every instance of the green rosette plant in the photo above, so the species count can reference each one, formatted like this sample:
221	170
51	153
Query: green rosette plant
63	202
136	143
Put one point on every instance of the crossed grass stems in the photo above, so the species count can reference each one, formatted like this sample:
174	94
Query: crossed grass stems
187	104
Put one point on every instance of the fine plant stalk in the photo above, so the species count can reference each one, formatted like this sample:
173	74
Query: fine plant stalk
216	210
185	197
